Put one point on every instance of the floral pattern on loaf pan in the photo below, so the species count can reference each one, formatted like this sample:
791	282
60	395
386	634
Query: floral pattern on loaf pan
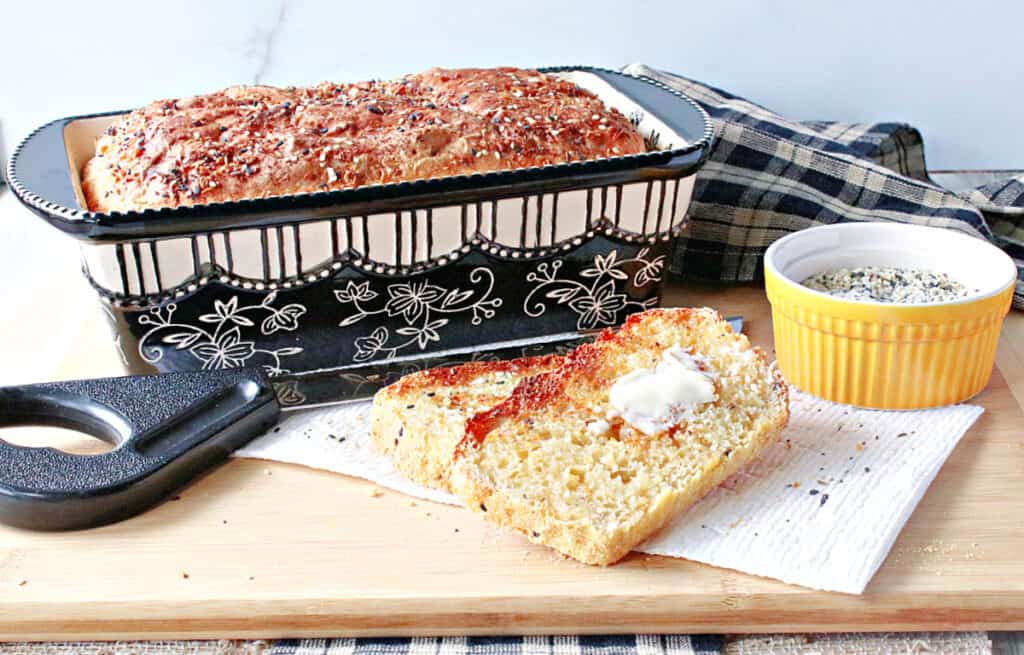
353	317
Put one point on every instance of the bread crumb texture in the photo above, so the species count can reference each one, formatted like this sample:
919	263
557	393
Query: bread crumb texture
419	420
530	462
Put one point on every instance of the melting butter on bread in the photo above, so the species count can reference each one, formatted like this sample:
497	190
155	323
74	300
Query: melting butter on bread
581	459
419	420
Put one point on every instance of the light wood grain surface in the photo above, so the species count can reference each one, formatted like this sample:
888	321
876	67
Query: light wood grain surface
262	549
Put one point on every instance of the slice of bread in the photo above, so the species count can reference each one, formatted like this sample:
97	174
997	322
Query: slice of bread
419	420
554	463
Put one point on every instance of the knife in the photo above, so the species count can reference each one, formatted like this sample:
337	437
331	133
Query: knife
169	429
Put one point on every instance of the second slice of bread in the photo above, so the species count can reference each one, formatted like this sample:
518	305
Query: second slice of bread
535	462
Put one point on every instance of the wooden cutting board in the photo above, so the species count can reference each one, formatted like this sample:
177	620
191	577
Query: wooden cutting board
260	549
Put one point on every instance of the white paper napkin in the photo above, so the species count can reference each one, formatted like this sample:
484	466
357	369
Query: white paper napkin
820	509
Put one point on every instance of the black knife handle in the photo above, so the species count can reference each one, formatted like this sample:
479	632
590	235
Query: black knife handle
167	429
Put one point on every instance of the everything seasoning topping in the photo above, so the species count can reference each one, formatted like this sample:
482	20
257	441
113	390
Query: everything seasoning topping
256	140
888	284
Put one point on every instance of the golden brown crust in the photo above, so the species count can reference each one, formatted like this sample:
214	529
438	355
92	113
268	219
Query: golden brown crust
464	373
259	141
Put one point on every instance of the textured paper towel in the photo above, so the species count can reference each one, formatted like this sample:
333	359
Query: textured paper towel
820	509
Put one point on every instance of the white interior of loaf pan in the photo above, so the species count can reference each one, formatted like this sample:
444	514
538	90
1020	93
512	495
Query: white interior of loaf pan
655	132
80	144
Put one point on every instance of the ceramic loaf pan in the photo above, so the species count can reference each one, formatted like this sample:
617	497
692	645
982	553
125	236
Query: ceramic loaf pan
321	280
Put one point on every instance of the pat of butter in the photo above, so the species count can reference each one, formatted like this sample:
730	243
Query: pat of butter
654	399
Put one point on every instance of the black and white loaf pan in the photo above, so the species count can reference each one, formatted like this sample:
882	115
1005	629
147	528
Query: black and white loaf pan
322	280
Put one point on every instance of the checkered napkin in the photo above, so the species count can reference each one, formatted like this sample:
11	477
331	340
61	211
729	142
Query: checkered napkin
768	176
565	645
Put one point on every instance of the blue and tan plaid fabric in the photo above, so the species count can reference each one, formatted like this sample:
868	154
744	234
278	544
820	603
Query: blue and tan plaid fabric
559	645
768	176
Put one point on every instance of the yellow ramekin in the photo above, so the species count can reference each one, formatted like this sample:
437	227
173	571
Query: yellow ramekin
881	355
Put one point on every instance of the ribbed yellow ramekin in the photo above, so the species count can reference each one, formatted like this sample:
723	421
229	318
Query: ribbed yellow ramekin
879	355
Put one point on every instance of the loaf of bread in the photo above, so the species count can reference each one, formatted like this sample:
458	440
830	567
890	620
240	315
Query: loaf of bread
258	141
594	456
419	420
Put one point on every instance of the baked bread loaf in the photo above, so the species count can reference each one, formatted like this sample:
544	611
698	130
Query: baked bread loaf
259	141
593	457
419	420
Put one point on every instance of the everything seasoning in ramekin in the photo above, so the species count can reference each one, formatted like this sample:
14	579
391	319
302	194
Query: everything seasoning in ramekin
887	316
889	284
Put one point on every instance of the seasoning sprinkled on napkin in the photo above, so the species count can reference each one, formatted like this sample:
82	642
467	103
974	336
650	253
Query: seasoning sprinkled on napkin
820	509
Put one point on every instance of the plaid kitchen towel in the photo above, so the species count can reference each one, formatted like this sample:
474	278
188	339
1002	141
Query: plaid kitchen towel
558	645
768	176
953	643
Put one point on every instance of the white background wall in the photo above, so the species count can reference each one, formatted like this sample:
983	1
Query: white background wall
954	70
